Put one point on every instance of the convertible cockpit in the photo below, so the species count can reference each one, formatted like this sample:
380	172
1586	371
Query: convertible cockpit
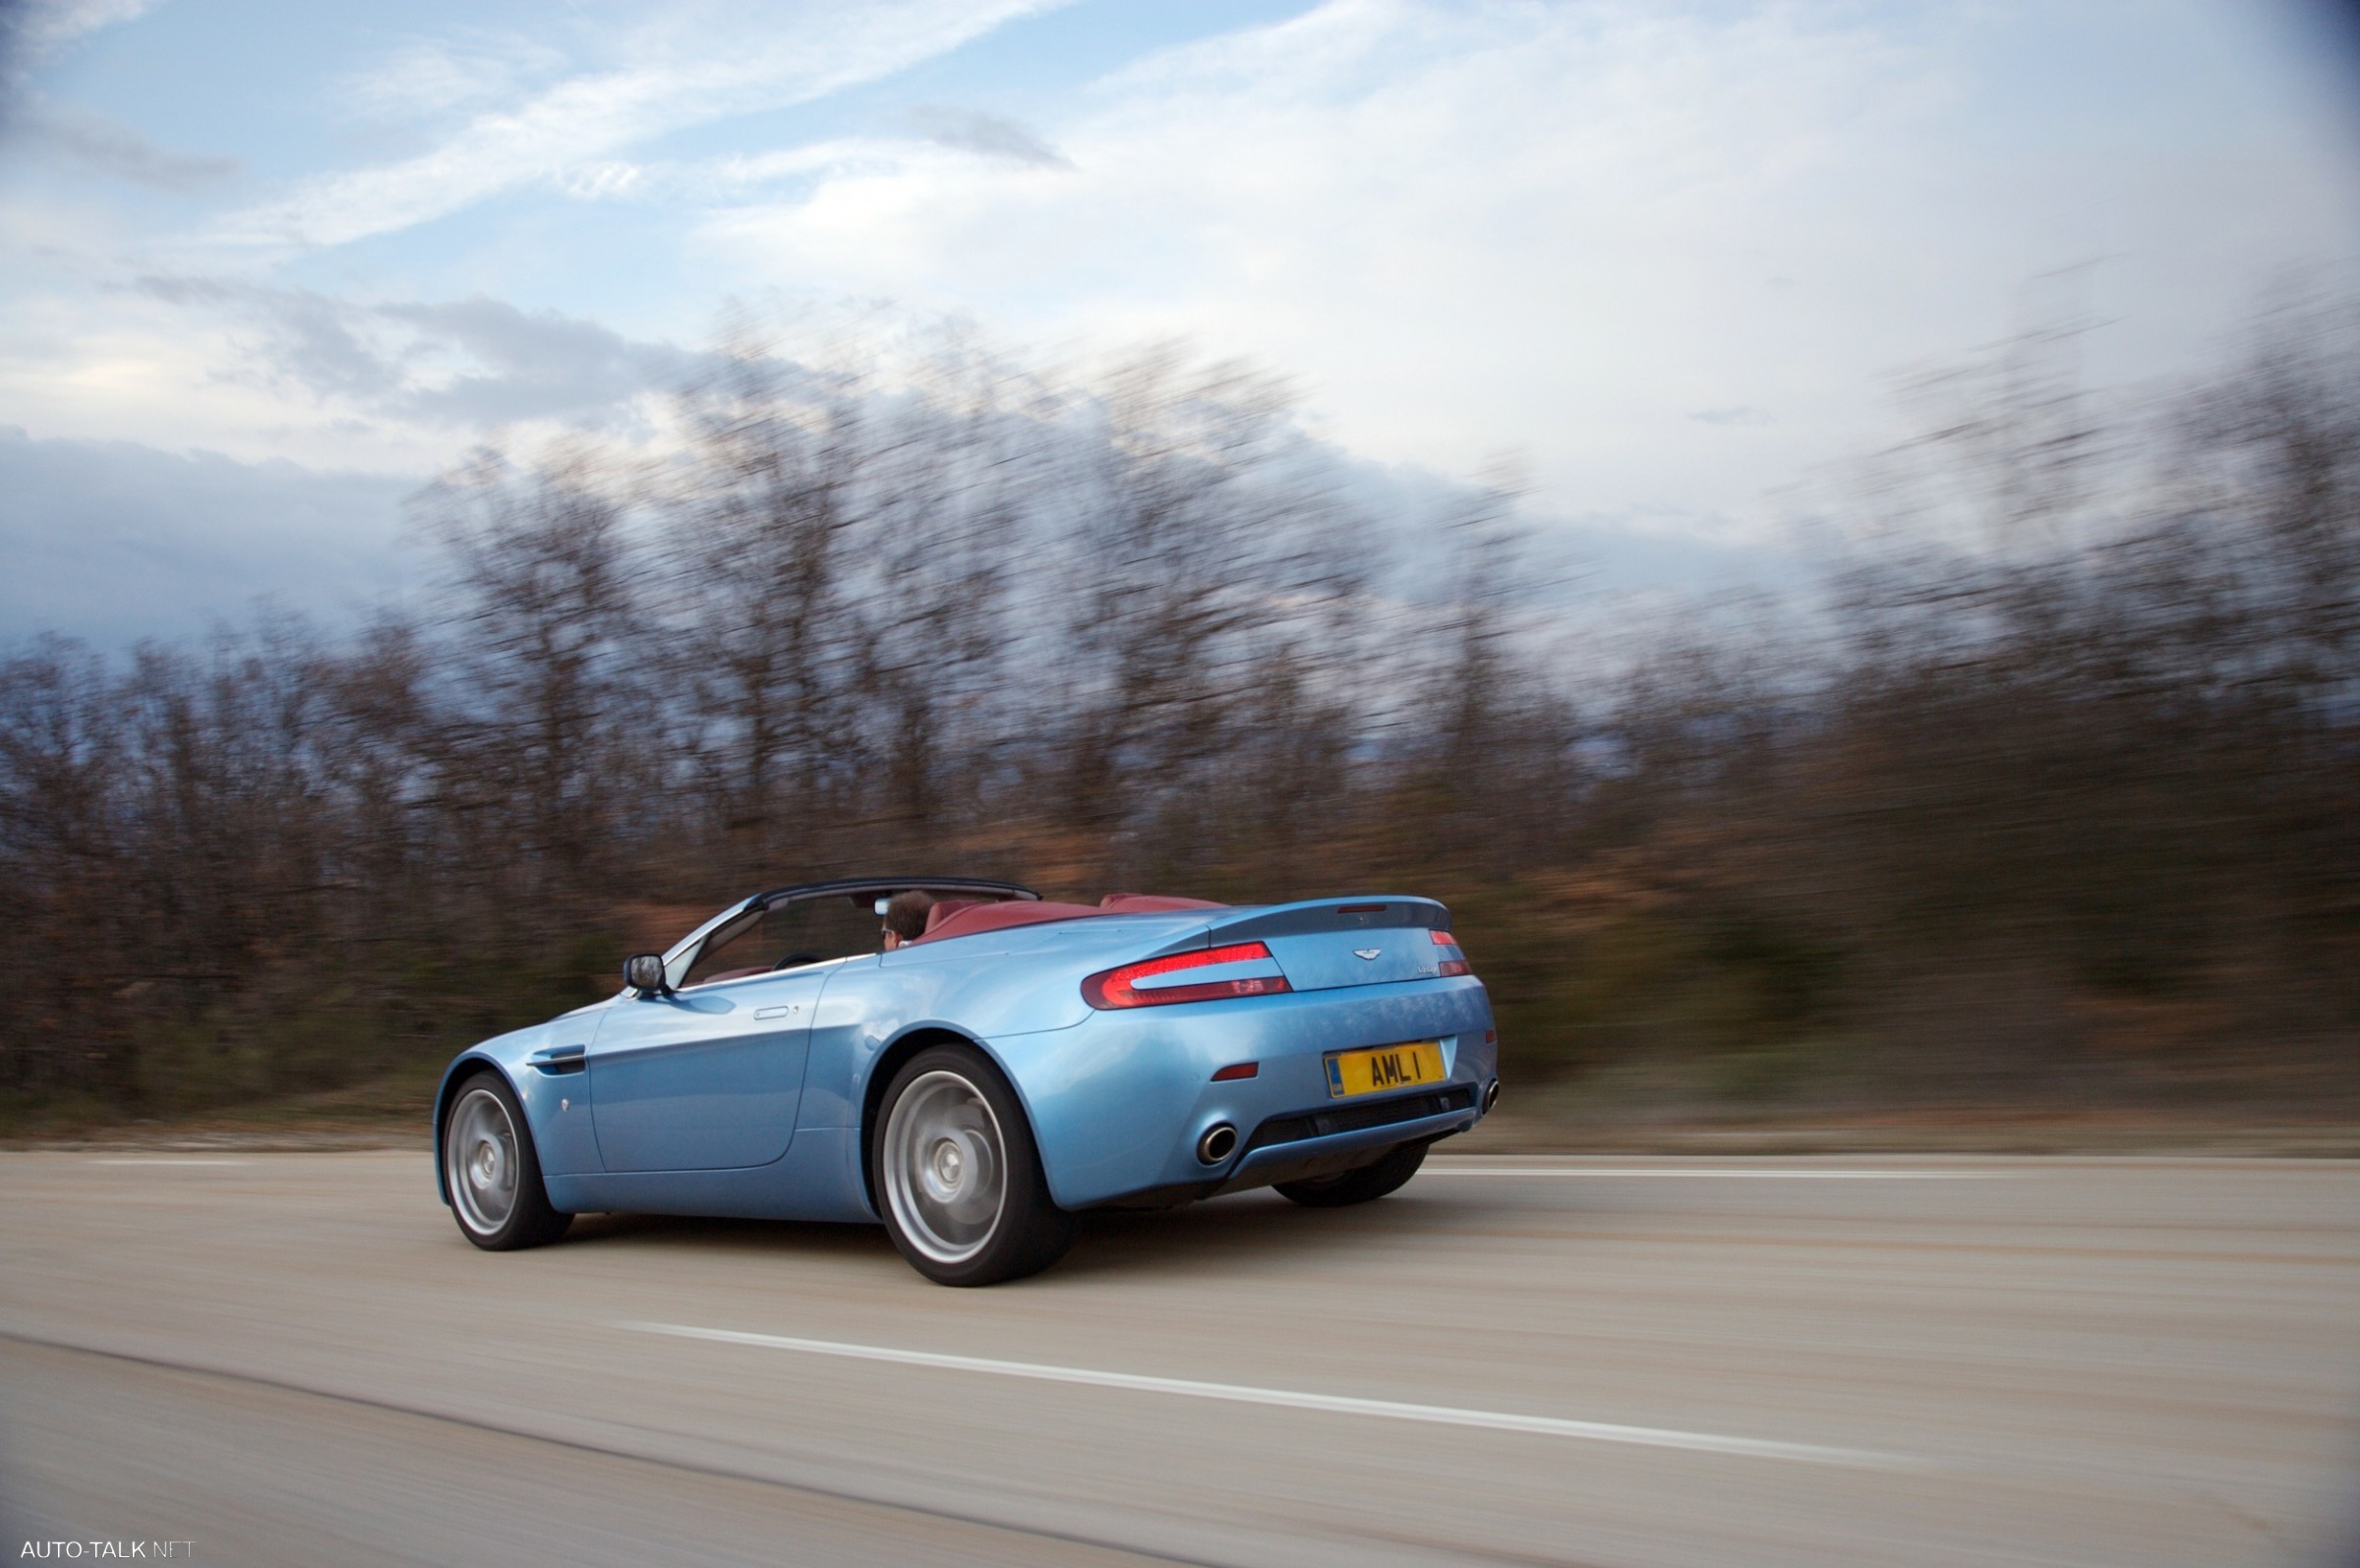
792	928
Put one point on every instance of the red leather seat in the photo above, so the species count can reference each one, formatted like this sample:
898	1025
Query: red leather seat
942	911
1152	903
982	917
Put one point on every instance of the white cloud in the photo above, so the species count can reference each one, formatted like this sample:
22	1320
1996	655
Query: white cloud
37	29
113	540
32	32
256	372
467	365
696	65
990	136
1667	256
97	144
435	77
1564	231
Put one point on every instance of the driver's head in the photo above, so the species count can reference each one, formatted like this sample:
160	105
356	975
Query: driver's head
906	917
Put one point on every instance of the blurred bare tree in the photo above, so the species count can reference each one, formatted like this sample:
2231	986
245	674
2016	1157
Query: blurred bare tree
2049	802
760	645
1198	577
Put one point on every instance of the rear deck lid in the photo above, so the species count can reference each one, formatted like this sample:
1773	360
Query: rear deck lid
1339	942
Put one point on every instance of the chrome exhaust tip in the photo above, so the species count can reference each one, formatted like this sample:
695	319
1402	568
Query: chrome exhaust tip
1491	1096
1217	1144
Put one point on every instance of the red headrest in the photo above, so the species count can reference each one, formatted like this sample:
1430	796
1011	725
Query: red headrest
1151	903
1000	917
944	908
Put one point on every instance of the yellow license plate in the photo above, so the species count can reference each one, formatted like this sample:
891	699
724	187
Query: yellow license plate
1387	1066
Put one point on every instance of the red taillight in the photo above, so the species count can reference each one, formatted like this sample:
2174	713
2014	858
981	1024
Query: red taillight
1237	1069
1449	966
1118	987
1443	938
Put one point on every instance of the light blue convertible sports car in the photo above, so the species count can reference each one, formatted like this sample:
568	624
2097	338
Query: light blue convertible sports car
1003	1063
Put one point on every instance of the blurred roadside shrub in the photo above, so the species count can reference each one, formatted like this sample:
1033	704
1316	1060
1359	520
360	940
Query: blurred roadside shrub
2053	798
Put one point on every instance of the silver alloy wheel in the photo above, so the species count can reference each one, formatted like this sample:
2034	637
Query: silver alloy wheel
946	1167
479	1161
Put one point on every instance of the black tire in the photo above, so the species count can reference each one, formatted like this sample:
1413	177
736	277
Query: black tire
951	1138
1363	1186
491	1172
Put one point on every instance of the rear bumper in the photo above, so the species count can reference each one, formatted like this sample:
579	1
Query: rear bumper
1119	1102
1295	1157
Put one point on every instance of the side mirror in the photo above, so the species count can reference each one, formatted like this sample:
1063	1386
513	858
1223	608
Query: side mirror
643	972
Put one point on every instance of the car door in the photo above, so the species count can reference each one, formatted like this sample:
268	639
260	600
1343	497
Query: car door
703	1080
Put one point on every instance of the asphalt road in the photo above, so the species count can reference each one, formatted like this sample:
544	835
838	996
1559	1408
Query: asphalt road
295	1359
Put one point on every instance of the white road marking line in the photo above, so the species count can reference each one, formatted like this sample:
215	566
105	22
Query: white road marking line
1751	1175
1342	1405
167	1162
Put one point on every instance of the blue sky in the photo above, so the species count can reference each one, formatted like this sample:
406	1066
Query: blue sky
265	268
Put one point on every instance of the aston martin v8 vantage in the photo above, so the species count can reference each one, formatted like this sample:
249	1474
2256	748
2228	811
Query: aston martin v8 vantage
975	1081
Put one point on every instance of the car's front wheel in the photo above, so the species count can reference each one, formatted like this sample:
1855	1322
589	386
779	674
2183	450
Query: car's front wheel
957	1177
1362	1186
492	1172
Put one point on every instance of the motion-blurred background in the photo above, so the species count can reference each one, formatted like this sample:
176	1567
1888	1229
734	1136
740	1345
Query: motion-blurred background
1830	536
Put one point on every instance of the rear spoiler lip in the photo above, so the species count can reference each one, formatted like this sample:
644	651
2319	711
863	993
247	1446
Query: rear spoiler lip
1397	912
1253	921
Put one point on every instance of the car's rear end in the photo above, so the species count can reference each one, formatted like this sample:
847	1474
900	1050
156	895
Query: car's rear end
1276	1044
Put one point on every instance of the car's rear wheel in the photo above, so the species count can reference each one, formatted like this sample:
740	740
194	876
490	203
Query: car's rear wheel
957	1177
492	1170
1362	1186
